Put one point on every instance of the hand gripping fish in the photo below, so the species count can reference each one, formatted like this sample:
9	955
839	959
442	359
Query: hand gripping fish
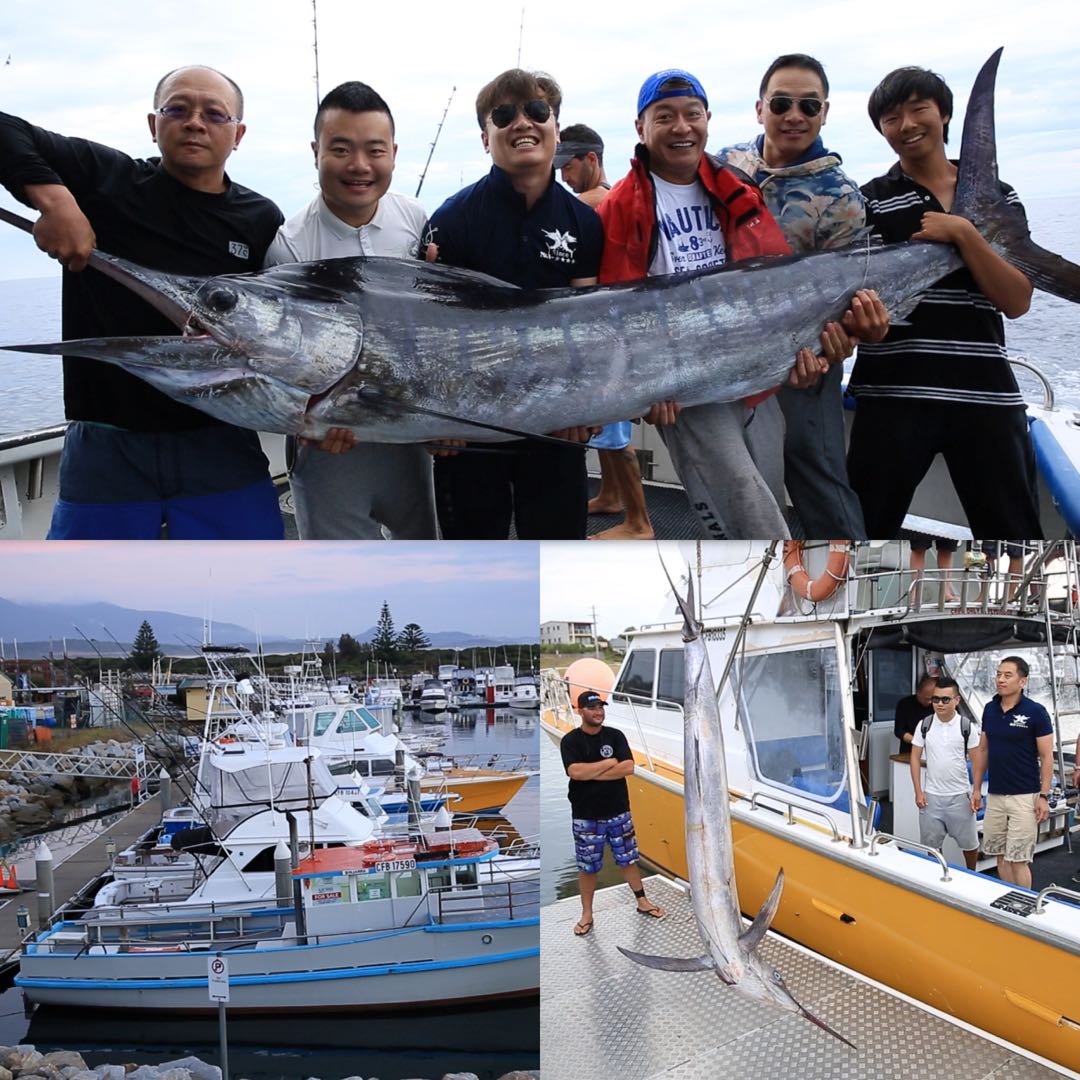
400	351
730	950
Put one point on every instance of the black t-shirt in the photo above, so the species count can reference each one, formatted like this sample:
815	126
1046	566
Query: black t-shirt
596	798
143	214
909	714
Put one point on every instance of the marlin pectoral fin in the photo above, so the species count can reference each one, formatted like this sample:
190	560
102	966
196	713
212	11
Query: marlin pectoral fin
749	939
670	963
825	1027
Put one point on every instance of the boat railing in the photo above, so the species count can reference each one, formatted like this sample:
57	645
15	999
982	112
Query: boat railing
790	808
1047	389
901	842
1046	585
509	899
1054	890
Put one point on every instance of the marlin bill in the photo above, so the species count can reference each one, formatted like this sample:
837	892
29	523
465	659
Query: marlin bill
402	351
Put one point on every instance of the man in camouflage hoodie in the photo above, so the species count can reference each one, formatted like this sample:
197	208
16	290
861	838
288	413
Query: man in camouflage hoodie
818	207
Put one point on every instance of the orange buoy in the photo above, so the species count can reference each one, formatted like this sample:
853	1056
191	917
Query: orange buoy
820	588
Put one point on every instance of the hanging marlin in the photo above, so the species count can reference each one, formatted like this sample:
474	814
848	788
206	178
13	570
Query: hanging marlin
730	950
402	351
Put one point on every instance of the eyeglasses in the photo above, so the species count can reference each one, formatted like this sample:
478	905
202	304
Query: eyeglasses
781	103
183	113
504	115
939	700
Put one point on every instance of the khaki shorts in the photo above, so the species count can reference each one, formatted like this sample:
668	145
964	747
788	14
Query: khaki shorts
1010	828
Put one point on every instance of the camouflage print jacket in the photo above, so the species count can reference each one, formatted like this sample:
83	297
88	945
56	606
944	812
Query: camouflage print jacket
819	207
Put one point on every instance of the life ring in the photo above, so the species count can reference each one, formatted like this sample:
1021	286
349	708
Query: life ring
823	587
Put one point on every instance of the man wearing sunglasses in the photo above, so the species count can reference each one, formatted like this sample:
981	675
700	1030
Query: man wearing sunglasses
344	489
133	459
680	209
944	800
819	208
519	225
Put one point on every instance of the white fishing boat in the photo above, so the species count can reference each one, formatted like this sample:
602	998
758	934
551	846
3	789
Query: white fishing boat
807	692
434	697
525	694
383	926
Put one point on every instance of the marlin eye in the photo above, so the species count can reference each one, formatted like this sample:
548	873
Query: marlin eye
221	299
777	977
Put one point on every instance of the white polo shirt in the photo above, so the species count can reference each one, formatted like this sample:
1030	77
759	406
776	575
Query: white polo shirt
396	230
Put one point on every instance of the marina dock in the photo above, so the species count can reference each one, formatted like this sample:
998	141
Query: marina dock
70	875
601	1015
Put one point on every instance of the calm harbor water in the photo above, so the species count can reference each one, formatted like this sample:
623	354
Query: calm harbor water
30	386
488	1042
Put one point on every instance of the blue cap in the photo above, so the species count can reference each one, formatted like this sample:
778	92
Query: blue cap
650	89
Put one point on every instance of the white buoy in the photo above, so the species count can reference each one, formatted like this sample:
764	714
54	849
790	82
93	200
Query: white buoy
43	870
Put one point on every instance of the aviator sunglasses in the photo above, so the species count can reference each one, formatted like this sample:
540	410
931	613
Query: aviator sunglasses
938	700
781	103
504	115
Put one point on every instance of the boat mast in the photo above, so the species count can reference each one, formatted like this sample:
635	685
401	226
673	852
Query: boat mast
315	33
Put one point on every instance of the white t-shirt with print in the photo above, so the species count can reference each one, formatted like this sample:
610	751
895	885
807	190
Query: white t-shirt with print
690	234
946	766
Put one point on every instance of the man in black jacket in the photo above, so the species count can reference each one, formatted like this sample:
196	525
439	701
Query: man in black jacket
134	460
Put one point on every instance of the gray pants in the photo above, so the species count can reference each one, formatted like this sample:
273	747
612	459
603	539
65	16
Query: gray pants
730	461
351	496
815	465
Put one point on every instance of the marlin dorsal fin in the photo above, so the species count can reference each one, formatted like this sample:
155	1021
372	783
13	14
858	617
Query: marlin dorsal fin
750	938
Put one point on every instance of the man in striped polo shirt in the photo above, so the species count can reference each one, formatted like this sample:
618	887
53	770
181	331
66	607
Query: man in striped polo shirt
942	383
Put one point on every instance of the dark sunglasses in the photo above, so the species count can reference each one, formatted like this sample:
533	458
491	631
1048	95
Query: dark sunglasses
937	699
504	115
781	103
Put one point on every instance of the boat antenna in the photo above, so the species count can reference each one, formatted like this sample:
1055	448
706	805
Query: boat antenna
315	46
521	35
438	130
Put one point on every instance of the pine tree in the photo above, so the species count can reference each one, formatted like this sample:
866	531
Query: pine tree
413	639
384	643
145	649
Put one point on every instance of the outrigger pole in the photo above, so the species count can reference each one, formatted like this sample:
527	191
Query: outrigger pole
315	29
438	130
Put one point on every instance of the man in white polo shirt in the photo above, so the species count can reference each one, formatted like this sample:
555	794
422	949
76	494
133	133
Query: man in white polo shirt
343	489
944	801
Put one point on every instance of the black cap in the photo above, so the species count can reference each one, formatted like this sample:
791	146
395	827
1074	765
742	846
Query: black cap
588	699
567	151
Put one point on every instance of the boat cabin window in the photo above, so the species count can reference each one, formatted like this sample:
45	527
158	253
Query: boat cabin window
262	861
636	677
323	720
352	721
372	887
789	705
672	678
465	875
408	884
892	681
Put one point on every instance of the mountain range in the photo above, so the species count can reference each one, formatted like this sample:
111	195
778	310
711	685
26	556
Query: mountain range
109	630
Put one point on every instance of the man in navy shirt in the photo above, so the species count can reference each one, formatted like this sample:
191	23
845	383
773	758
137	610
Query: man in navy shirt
1018	740
519	225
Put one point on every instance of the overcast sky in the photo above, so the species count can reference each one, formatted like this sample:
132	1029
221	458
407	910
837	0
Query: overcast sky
295	590
89	69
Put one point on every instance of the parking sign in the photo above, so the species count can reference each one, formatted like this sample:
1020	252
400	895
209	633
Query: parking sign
218	978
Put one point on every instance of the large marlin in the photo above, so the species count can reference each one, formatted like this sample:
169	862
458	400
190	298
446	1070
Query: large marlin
730	950
401	351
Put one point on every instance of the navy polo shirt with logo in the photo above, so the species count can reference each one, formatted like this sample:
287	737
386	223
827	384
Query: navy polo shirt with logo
1014	757
486	227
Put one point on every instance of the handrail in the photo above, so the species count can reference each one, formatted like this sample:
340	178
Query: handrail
1048	390
902	842
1054	890
790	808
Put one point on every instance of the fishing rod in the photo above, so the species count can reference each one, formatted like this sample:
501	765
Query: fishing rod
438	131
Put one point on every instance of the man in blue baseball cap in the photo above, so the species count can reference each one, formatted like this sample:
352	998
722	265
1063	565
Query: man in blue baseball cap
680	209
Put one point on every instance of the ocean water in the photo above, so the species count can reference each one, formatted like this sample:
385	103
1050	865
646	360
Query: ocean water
1048	336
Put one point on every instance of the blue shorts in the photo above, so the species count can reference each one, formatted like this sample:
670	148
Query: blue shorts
205	484
590	835
612	436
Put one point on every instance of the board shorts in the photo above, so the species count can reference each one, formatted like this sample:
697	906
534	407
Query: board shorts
948	815
591	834
1010	828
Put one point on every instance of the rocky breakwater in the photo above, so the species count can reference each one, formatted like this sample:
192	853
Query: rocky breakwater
26	1063
33	796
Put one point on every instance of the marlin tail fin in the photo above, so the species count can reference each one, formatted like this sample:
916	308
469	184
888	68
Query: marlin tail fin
669	963
979	197
749	939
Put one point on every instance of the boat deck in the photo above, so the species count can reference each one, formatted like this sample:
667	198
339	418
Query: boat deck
601	1015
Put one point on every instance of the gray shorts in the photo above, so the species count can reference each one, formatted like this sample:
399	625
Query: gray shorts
948	815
